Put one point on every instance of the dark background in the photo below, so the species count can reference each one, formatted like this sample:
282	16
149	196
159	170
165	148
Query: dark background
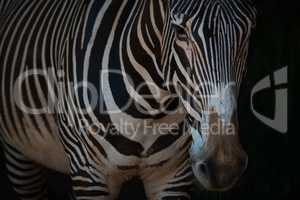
275	44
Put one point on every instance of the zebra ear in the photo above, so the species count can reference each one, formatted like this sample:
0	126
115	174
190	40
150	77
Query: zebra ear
254	13
252	5
253	2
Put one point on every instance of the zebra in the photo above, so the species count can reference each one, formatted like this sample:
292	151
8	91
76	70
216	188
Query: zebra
108	90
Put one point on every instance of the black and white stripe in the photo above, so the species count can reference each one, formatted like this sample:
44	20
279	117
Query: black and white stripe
114	47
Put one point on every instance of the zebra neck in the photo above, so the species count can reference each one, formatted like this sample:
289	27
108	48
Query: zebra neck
122	38
127	33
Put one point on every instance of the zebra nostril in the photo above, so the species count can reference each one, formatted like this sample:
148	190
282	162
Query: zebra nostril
203	168
244	164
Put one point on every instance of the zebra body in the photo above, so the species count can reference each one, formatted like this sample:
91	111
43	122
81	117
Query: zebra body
87	85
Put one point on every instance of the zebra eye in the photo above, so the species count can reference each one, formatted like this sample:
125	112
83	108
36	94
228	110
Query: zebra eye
181	32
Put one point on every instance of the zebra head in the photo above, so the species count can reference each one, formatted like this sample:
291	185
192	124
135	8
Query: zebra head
208	43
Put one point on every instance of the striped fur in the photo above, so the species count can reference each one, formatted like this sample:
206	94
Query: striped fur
85	86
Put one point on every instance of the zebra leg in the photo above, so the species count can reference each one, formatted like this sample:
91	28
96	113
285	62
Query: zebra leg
164	184
91	184
28	178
